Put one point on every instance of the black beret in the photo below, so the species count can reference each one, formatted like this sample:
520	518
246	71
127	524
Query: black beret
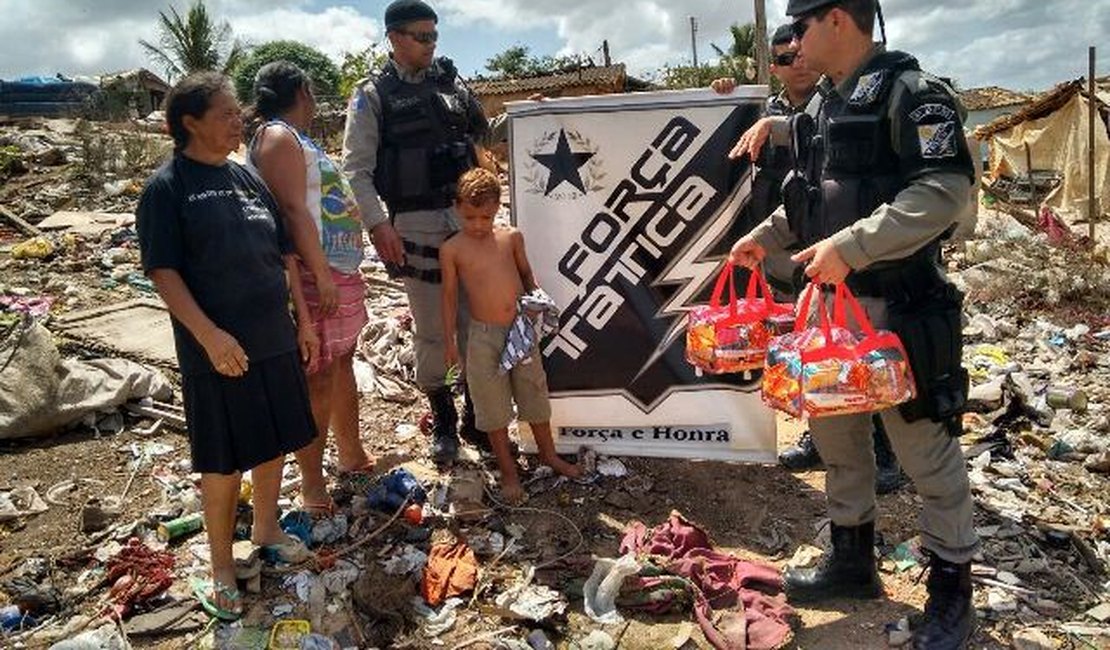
400	12
802	7
782	36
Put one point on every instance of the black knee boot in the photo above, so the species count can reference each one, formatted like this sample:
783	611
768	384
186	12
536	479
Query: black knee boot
445	423
849	572
949	615
467	430
888	475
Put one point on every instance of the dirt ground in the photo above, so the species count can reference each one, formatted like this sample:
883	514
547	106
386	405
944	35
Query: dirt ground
759	512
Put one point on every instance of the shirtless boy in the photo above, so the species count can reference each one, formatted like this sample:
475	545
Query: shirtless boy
491	264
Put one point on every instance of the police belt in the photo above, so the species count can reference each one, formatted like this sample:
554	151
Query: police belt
907	280
431	276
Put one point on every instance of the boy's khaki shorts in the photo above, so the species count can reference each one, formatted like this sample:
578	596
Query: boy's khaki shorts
493	393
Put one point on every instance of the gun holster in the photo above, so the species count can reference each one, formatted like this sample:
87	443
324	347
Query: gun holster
931	331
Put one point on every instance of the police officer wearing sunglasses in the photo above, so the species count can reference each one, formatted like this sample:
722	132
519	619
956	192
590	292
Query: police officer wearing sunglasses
881	177
411	132
785	276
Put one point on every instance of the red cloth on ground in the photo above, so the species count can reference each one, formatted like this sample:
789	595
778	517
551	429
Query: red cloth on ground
721	581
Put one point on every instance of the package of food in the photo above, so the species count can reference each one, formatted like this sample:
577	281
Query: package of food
733	337
829	369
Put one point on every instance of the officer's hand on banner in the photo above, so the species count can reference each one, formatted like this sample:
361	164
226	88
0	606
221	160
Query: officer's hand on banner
388	244
723	86
825	263
746	252
751	143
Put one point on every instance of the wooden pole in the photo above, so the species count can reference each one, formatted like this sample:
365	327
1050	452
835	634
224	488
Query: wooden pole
694	38
762	53
1092	116
605	52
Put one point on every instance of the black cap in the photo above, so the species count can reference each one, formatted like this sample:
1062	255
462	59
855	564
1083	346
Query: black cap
401	12
782	36
796	8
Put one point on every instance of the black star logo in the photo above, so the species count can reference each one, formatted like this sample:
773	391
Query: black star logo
563	165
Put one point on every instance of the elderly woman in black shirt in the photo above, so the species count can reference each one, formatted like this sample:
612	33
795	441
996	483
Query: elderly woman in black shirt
212	242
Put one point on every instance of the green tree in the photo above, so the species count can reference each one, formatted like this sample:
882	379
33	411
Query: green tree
518	61
324	74
356	66
743	42
193	43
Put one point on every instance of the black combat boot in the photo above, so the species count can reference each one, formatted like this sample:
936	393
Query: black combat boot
445	423
849	572
802	456
949	615
889	476
467	430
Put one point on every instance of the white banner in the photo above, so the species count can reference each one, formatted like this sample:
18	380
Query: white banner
628	205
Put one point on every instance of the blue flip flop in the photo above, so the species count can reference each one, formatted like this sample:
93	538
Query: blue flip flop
201	590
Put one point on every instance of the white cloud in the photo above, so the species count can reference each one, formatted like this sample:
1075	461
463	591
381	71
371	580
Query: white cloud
333	31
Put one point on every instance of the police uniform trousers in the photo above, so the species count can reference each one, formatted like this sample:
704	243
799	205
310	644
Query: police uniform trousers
428	229
931	458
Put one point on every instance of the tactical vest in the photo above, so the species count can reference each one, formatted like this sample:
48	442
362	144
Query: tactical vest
774	163
425	142
857	169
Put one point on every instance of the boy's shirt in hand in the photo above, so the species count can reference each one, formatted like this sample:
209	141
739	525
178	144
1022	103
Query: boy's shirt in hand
536	317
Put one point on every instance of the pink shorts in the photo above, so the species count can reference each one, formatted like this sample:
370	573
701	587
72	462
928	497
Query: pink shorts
339	332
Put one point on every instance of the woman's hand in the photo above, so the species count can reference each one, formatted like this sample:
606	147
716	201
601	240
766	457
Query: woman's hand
225	353
309	343
328	292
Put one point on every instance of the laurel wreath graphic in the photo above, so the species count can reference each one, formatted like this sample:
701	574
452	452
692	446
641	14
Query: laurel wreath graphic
534	178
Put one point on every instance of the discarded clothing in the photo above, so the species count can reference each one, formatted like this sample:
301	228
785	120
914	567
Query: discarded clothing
536	317
682	549
394	489
452	570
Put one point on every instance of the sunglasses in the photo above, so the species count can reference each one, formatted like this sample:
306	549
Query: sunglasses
801	24
786	59
424	38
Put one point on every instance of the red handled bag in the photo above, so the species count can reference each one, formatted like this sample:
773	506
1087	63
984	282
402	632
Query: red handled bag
827	369
733	337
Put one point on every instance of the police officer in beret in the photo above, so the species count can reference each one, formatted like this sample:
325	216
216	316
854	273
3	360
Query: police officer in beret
785	276
411	132
881	177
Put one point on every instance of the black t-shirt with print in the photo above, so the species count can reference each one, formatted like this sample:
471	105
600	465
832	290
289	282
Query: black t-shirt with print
219	227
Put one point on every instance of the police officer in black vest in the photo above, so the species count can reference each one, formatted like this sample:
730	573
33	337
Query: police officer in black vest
881	176
785	276
411	132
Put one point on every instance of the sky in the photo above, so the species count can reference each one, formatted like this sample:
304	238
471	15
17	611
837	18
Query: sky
1019	44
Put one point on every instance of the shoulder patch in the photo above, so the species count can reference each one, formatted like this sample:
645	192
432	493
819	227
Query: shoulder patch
935	111
868	88
937	140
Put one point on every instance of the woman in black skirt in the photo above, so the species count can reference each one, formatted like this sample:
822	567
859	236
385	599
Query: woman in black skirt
212	242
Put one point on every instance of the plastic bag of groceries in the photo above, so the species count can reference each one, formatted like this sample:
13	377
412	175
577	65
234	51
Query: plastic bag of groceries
830	369
733	336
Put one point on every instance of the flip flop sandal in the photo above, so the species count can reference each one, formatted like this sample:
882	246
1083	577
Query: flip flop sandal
357	481
202	590
316	509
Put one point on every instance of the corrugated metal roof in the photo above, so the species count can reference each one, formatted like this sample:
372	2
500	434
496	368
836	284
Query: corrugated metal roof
612	75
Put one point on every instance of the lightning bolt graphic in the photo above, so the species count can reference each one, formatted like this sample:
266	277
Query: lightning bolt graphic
693	270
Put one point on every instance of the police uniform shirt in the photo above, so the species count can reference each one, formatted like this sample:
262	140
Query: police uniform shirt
361	138
925	121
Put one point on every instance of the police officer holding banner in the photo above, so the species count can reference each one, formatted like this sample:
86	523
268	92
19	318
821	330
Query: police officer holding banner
880	177
411	132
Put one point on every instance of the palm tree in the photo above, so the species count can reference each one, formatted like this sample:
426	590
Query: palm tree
194	43
743	42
